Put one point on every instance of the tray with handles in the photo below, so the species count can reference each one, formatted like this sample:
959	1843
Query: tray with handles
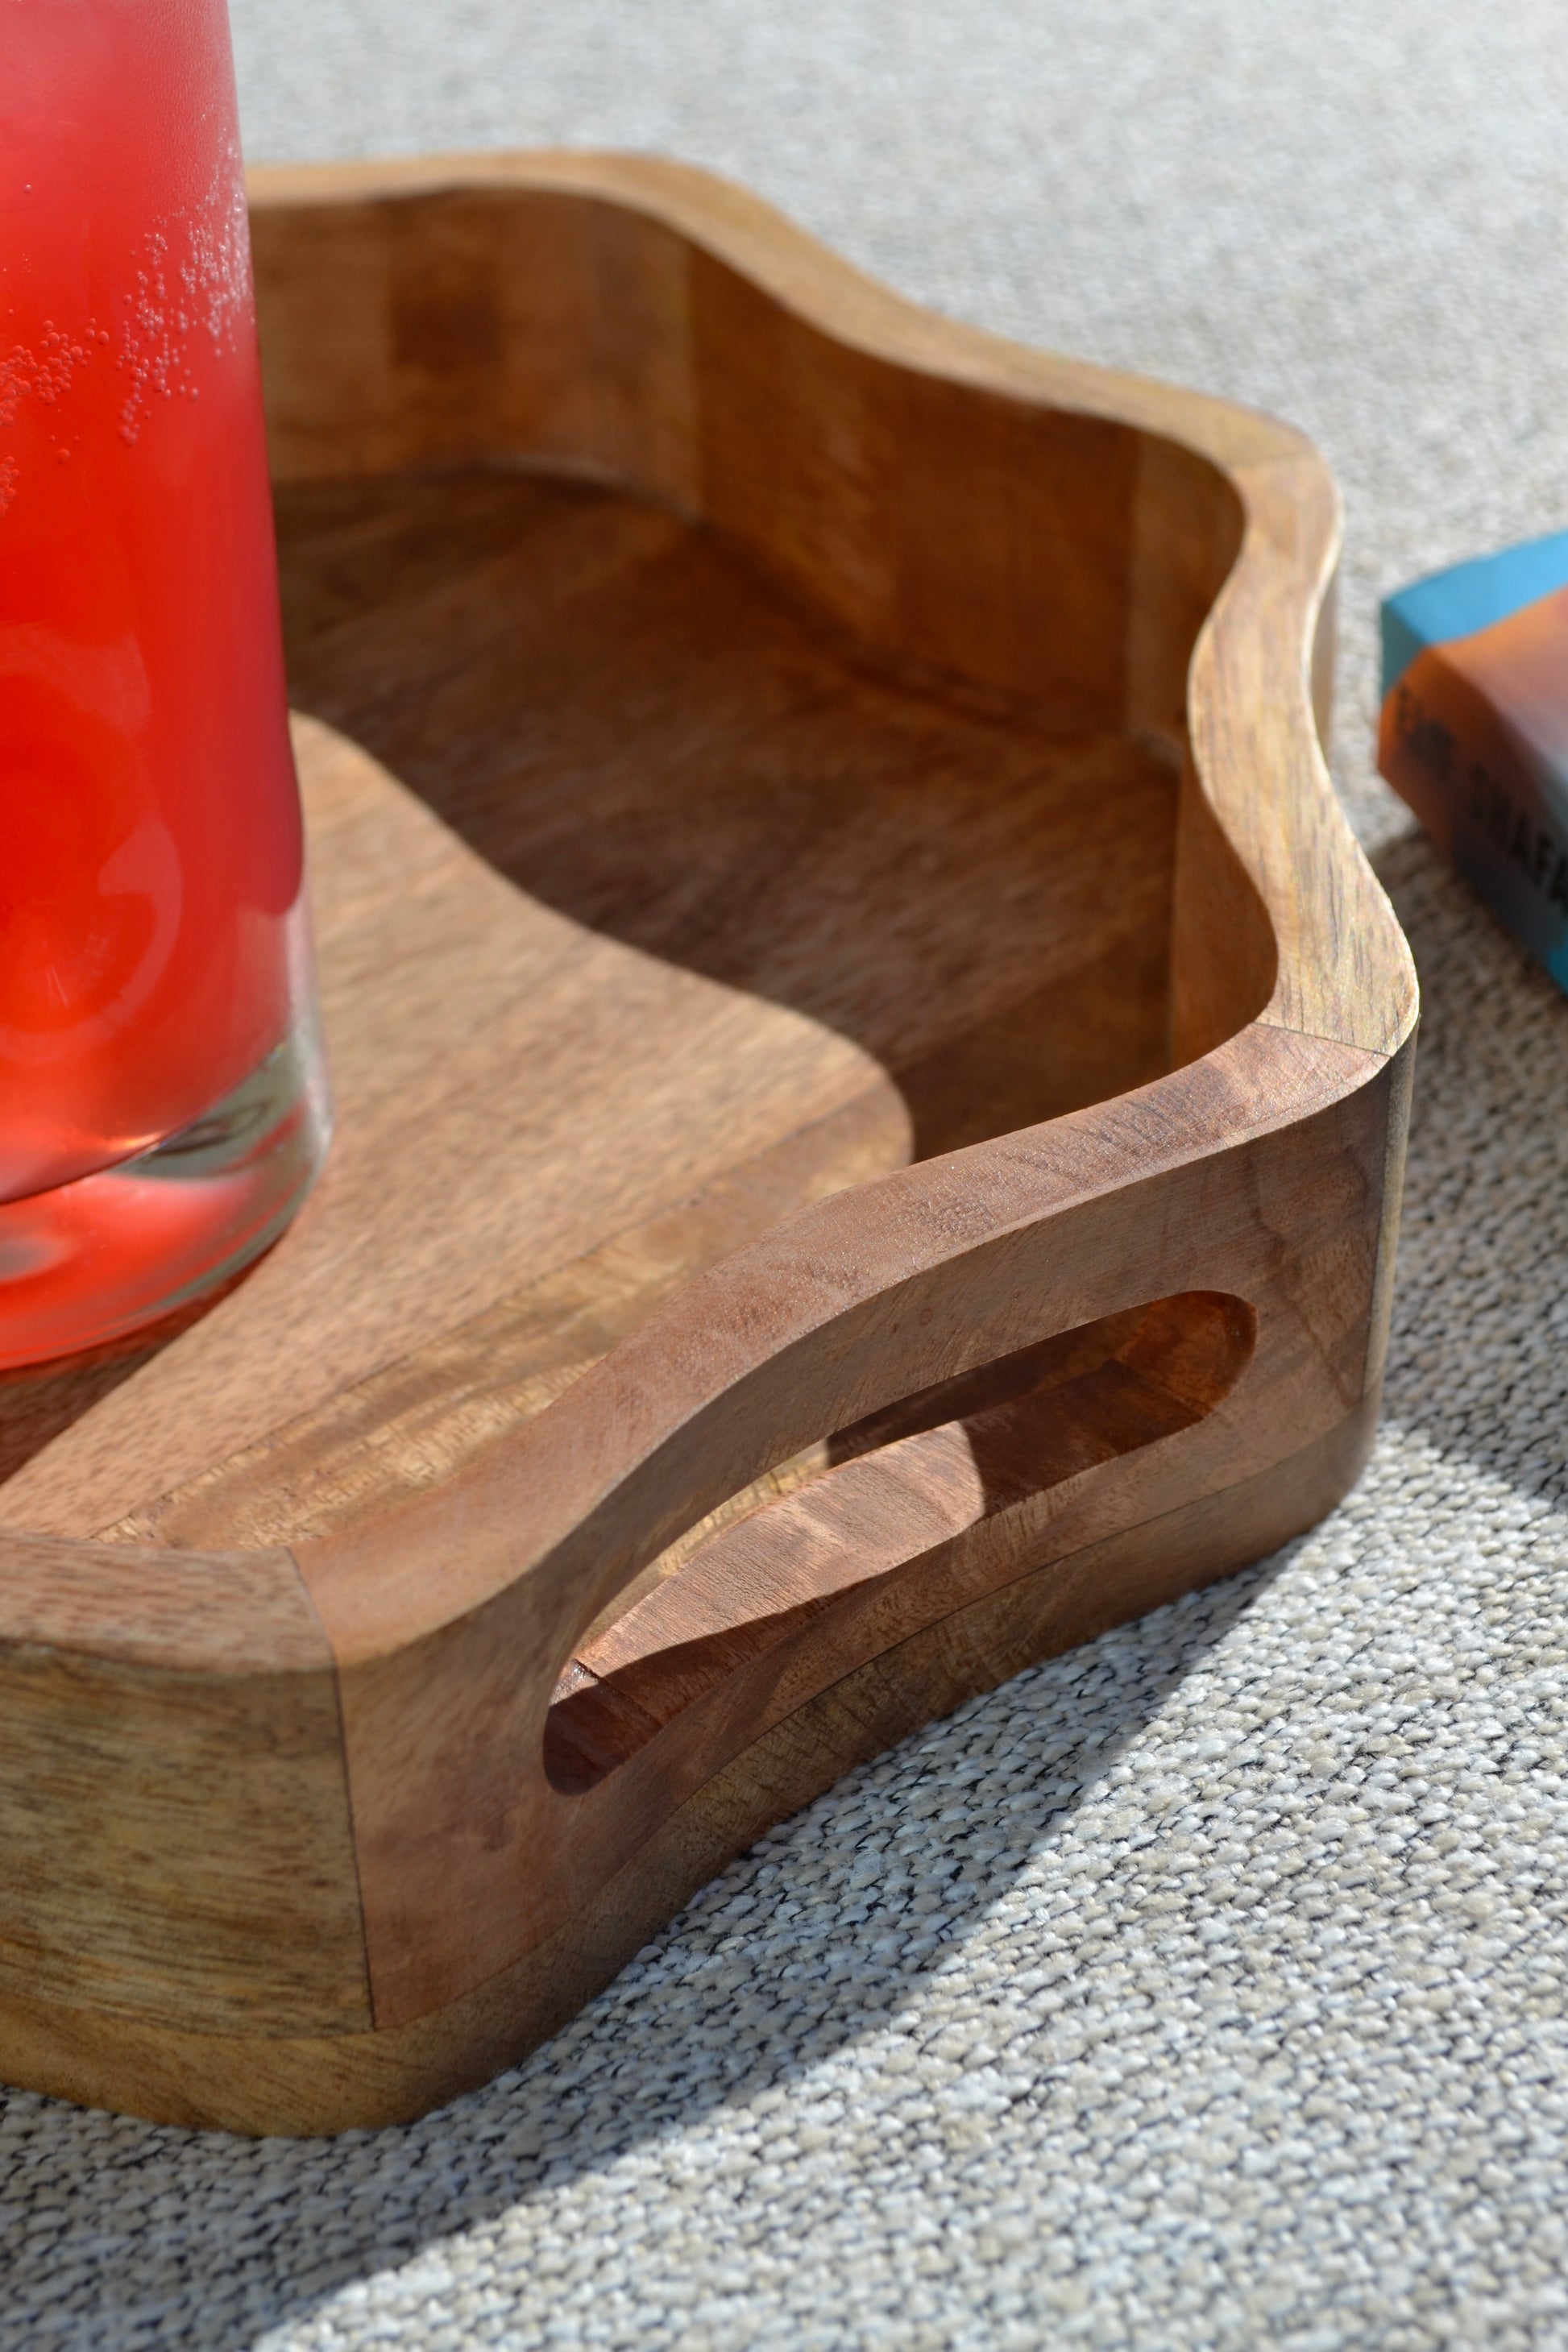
872	1079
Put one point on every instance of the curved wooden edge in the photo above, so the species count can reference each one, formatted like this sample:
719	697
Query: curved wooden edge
985	1469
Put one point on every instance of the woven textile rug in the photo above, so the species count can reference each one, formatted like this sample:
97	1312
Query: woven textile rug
1205	1987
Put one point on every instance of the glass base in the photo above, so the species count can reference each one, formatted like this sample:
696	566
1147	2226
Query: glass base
89	1262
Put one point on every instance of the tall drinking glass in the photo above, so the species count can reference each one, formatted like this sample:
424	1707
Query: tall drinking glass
163	1107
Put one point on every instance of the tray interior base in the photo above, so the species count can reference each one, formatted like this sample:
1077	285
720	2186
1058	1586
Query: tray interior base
624	718
666	909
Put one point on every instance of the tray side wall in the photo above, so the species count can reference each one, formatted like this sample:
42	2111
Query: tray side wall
175	1843
1017	542
1033	525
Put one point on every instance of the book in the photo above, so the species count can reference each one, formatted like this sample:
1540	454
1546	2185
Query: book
1474	728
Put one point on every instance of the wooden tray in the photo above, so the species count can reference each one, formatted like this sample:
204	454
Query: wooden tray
779	736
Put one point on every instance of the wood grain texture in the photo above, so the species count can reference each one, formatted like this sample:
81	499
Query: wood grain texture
873	1079
181	1854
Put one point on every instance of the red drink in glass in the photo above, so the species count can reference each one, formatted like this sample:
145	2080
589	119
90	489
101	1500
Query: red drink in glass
161	1103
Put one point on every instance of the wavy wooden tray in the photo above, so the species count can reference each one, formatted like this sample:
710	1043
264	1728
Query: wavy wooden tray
827	738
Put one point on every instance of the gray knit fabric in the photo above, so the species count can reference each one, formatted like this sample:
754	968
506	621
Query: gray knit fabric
1205	1987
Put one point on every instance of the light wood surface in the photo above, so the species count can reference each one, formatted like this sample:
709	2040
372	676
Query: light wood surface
872	1079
